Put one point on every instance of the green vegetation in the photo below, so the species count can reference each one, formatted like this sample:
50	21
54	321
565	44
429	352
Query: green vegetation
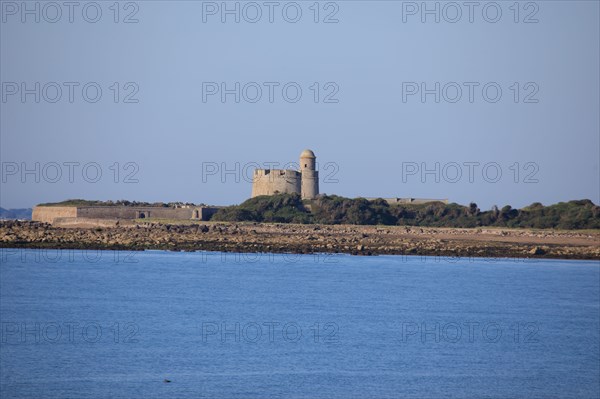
82	202
280	208
74	202
289	208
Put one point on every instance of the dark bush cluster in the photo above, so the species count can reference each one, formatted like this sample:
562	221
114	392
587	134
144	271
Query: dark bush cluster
331	209
280	208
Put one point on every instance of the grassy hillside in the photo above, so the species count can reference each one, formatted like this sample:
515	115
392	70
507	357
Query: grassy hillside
82	202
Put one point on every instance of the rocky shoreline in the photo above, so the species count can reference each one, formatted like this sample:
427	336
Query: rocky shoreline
304	239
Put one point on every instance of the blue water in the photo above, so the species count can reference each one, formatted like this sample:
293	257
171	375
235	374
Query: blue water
382	327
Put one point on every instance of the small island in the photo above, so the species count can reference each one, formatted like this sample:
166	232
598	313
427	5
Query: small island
287	213
284	223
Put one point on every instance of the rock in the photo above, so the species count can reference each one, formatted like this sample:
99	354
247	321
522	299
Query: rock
360	247
537	251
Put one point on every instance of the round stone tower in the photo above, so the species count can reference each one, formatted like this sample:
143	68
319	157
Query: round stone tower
310	176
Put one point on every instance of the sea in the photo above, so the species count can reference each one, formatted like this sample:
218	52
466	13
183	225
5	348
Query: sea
159	324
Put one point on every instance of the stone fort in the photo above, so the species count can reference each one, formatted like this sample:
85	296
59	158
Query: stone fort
306	182
287	181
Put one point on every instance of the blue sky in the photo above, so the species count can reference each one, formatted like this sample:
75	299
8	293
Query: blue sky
171	137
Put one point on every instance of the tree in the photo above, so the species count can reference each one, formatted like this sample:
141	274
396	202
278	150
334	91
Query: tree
473	210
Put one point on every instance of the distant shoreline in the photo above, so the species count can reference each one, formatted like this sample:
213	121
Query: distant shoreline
309	239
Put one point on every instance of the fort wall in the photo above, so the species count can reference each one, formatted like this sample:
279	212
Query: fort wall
47	214
273	181
205	212
91	222
128	212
